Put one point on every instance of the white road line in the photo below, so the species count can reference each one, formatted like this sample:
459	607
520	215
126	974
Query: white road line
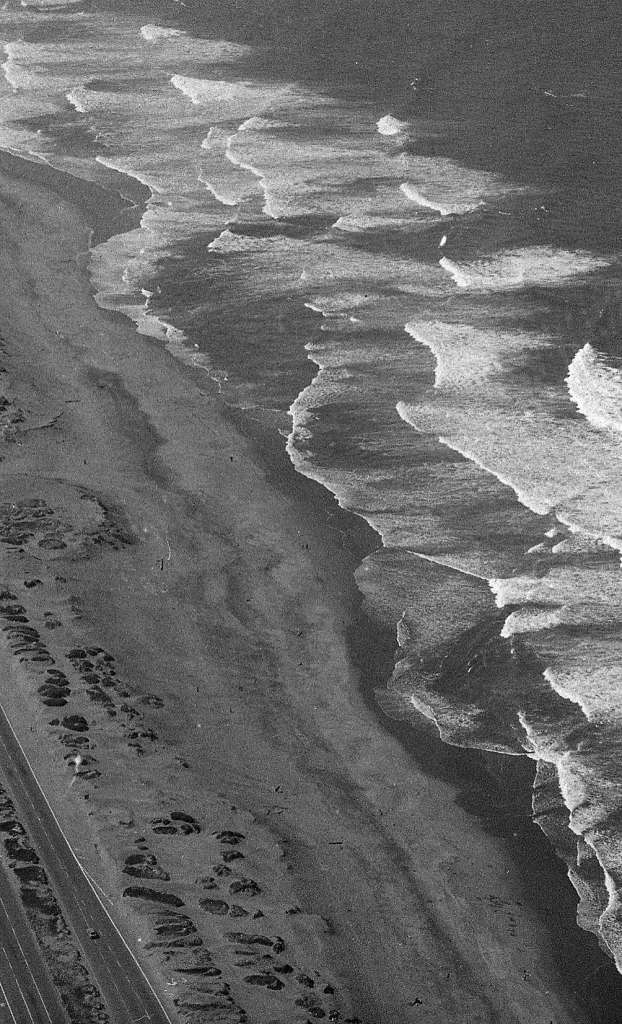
84	873
86	918
21	949
19	987
6	999
98	887
113	983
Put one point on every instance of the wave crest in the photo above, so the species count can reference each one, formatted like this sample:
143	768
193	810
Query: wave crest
596	389
524	268
389	125
156	33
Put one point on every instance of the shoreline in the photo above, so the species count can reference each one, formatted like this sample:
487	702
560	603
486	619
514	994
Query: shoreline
151	484
494	788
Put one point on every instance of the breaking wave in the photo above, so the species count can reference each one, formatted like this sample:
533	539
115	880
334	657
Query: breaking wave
596	388
300	226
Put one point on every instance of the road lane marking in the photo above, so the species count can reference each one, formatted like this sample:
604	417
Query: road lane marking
84	920
19	987
98	887
75	857
26	962
6	1000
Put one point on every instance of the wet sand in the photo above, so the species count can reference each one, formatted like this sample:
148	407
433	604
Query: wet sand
198	599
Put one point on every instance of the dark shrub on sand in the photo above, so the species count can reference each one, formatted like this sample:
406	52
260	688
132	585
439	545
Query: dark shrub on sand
142	893
76	722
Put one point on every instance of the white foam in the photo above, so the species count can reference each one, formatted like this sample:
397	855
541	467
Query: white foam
460	276
228	242
124	167
417	197
513	590
264	124
389	125
200	90
38	78
521	268
221	196
78	99
581	595
52	5
360	222
16	75
583	666
158	34
173	44
319	172
596	388
591	798
228	99
341	303
556	684
466	356
516	433
448	188
479	405
175	341
229	184
310	175
287	172
532	743
529	620
180	348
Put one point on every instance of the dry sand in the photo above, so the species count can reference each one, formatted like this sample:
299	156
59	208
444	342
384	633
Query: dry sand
209	608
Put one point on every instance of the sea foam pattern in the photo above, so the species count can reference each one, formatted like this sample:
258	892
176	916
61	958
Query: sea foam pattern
596	388
312	231
539	266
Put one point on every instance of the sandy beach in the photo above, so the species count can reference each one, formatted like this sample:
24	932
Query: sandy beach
198	601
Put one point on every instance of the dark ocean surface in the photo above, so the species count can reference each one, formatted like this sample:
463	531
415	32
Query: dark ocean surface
390	232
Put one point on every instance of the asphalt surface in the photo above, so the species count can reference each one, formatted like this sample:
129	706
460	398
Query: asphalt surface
27	994
125	988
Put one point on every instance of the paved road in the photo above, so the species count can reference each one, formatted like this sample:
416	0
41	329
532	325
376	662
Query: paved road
128	993
27	994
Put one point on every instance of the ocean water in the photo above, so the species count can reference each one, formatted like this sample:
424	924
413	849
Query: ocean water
398	246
